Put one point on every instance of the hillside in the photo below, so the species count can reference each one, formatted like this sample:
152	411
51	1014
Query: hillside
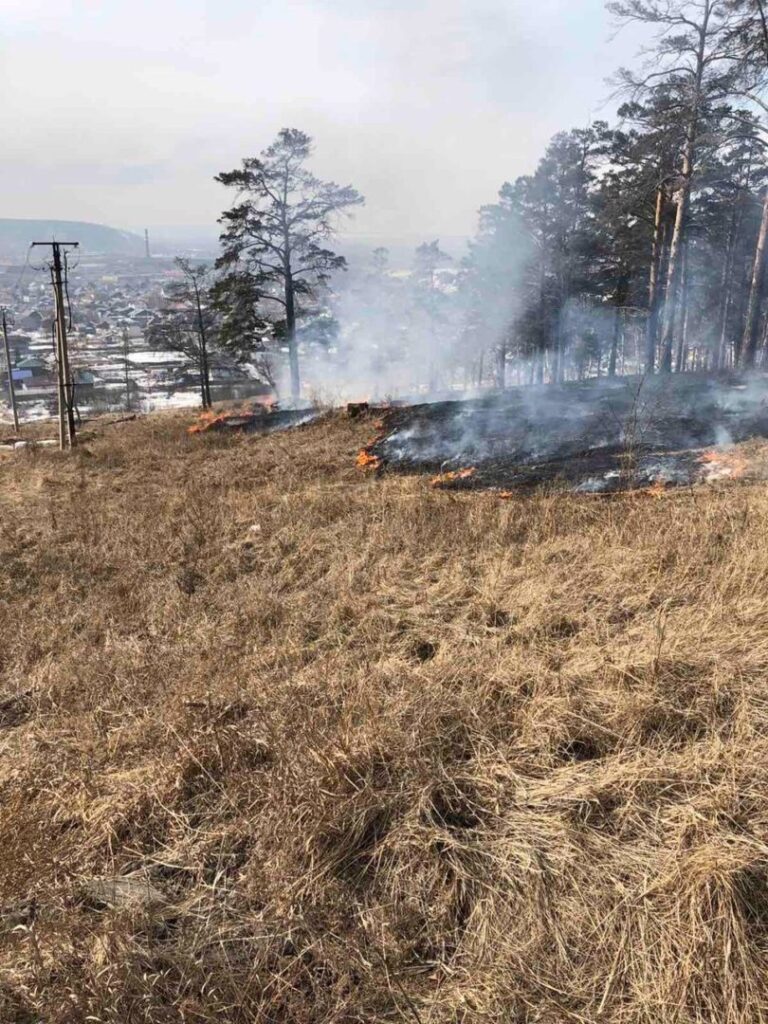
16	236
285	741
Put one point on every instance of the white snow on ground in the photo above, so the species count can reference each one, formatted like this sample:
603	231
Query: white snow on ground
148	356
155	403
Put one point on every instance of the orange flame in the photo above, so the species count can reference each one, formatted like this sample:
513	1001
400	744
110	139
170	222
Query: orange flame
210	418
366	460
656	490
365	457
724	462
207	419
457	474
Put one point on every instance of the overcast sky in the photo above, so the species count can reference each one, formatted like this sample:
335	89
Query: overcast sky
121	111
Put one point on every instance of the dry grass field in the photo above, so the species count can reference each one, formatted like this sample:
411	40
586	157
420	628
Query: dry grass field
281	741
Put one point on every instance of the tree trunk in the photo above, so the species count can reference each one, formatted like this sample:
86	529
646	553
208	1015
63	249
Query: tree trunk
752	323
681	320
681	217
726	283
620	298
743	274
204	371
617	325
674	271
558	354
537	376
205	376
684	342
654	283
501	366
201	374
290	330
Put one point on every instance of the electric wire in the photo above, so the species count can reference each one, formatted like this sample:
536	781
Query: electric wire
17	286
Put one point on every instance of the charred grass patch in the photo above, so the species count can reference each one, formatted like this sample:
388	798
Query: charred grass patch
280	741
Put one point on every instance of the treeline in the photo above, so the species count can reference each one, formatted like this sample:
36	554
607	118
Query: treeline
647	238
638	246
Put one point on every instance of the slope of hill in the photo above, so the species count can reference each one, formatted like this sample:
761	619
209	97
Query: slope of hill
283	741
16	236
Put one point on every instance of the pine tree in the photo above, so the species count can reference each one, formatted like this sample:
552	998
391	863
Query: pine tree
274	249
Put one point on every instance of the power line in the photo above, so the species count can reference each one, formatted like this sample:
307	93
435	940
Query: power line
23	270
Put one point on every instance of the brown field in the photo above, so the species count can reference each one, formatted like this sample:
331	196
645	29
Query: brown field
281	741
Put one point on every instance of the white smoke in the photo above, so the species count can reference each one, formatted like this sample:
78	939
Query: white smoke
426	326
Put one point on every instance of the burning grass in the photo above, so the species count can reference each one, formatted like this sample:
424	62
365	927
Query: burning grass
732	463
593	437
282	741
211	419
366	460
453	477
255	417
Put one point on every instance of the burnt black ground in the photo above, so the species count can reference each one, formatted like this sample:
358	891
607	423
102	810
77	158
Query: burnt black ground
267	423
591	436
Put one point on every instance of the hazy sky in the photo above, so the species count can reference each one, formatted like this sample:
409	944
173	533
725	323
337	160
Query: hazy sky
121	111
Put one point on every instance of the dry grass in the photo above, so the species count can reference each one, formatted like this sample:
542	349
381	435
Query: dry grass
366	751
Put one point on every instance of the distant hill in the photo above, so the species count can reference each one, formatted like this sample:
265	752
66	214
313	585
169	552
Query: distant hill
16	235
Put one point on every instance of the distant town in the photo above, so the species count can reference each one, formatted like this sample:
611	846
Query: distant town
112	301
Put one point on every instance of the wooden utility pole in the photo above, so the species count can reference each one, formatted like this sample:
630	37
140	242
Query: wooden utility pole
11	389
65	384
126	351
